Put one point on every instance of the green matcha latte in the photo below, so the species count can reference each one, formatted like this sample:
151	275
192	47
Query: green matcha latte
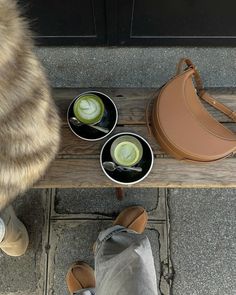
89	108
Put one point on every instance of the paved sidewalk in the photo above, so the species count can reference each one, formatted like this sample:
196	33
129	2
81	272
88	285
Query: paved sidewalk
203	241
63	225
25	275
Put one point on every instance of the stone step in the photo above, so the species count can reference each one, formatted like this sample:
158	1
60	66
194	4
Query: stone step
134	66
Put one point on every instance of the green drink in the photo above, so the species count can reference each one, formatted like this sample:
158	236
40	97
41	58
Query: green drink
126	151
89	109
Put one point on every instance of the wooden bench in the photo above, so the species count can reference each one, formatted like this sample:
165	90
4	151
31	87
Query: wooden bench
77	164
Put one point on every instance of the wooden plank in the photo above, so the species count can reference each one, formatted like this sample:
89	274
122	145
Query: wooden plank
131	103
70	93
70	173
63	93
130	110
71	145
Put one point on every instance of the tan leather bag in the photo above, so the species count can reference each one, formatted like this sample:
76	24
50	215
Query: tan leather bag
182	125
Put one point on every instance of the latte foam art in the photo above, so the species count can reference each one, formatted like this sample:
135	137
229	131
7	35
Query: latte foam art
126	153
88	108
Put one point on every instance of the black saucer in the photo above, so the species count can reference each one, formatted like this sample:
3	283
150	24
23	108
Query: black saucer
128	177
109	120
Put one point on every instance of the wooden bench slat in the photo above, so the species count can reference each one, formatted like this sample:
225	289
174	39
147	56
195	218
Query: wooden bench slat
70	173
132	105
72	145
222	93
65	93
130	111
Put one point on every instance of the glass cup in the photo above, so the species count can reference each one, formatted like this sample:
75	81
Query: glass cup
98	110
141	157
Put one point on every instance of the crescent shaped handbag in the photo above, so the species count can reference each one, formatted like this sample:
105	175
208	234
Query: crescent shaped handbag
182	125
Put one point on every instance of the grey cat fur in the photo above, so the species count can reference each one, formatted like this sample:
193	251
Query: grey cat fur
29	122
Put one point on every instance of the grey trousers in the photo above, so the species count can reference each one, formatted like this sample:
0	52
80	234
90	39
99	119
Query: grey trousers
2	229
124	264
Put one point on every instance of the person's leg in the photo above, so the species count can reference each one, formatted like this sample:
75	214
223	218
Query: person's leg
123	257
123	260
14	238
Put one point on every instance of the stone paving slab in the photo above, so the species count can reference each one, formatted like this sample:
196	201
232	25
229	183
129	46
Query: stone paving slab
25	275
134	66
73	239
103	202
203	241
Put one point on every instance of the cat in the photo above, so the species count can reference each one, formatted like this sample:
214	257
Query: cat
29	121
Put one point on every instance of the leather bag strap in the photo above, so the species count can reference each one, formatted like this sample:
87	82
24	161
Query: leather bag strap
201	92
218	105
197	78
